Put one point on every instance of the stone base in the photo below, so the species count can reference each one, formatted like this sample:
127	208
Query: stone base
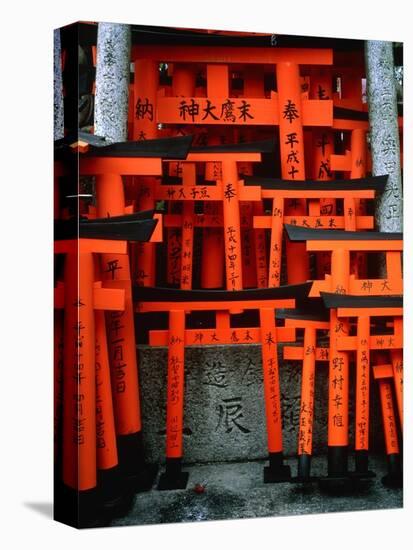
224	410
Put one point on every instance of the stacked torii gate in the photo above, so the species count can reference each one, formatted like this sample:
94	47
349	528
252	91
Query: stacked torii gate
384	375
314	192
340	281
284	108
366	340
228	191
107	163
313	321
89	452
180	302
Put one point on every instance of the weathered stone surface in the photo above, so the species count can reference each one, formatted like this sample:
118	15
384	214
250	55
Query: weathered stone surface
112	81
235	491
384	132
224	416
58	118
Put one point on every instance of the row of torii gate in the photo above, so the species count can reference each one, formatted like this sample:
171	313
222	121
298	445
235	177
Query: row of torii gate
192	150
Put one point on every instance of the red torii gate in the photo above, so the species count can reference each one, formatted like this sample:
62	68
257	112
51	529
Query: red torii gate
341	282
109	164
229	191
80	295
178	303
311	321
90	462
251	110
285	108
364	308
341	243
314	192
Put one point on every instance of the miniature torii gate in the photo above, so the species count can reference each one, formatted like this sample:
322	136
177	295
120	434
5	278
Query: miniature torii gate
284	108
177	303
309	353
88	433
80	295
341	282
364	308
229	192
383	373
314	191
211	220
109	164
341	243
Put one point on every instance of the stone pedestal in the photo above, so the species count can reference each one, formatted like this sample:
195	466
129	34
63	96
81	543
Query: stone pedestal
224	404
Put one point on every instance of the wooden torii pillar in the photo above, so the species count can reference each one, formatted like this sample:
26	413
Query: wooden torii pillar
354	161
322	145
109	164
178	303
383	374
311	322
313	191
350	112
145	126
183	84
145	86
212	265
363	309
230	191
253	240
340	281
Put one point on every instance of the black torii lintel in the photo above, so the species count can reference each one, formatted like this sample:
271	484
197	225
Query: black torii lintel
377	183
297	233
154	294
333	301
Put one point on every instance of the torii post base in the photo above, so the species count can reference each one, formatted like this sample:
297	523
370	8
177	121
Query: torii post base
137	474
173	478
394	477
115	495
276	472
304	470
362	471
78	509
338	478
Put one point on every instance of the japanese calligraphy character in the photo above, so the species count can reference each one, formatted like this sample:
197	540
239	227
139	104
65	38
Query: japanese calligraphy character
227	111
229	414
290	111
143	109
208	111
190	109
244	110
229	192
291	139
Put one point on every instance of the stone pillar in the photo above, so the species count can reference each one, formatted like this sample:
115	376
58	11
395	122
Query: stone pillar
112	81
58	122
384	132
